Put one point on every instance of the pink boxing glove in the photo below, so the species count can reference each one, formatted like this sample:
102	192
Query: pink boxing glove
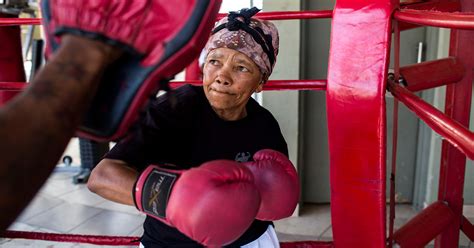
277	181
212	204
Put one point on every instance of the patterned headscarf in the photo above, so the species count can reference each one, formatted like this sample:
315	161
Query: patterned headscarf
258	39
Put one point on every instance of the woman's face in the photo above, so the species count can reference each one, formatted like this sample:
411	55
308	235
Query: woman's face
230	78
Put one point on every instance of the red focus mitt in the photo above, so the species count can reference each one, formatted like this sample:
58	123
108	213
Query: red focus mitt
212	204
161	38
278	184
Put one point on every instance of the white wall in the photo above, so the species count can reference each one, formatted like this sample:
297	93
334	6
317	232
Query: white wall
284	105
436	140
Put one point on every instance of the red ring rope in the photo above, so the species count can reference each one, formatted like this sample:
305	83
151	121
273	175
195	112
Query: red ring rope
275	15
291	15
436	19
73	238
128	240
271	84
19	21
455	133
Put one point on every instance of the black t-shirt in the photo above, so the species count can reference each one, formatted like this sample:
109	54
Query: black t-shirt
183	129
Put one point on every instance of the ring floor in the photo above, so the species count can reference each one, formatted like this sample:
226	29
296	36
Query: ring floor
64	207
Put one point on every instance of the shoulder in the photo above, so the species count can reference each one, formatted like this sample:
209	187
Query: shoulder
269	129
183	96
174	107
260	113
182	100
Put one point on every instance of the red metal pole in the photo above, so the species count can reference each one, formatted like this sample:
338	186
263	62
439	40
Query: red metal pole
431	74
291	15
295	85
467	228
19	21
272	84
424	227
450	6
457	106
435	19
11	59
393	173
272	15
358	65
455	133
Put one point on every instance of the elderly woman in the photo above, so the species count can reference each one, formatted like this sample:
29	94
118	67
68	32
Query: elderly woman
219	120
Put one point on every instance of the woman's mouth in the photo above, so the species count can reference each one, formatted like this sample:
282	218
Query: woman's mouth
220	92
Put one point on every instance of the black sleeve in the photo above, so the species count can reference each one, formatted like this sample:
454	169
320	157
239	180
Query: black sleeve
132	148
154	135
273	136
280	142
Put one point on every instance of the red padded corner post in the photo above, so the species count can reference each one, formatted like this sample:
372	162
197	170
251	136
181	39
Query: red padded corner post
358	65
11	59
9	90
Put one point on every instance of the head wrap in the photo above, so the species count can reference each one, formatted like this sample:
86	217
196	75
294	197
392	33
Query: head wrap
258	39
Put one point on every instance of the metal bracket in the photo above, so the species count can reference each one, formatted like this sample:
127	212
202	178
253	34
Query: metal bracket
401	80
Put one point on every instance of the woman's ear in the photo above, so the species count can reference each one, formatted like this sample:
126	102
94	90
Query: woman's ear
259	87
264	79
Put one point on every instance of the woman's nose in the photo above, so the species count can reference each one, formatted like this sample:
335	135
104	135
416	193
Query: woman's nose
223	76
223	81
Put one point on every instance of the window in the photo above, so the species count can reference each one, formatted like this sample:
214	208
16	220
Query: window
233	5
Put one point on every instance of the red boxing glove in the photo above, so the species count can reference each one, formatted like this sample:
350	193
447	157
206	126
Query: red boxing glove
278	184
160	38
212	204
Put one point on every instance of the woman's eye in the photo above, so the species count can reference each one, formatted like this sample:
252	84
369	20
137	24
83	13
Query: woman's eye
242	68
213	62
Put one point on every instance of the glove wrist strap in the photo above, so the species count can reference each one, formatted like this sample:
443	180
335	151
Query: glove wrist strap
156	186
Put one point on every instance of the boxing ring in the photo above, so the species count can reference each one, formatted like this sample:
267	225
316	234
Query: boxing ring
355	95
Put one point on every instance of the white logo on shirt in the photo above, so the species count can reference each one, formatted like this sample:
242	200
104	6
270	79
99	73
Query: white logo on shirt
242	157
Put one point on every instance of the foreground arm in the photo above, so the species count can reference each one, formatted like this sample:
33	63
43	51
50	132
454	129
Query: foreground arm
36	126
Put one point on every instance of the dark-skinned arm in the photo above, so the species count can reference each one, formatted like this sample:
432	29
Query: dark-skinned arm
37	125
